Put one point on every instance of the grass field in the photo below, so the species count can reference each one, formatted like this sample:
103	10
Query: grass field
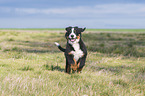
31	65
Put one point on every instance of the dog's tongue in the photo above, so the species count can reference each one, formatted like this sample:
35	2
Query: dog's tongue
72	40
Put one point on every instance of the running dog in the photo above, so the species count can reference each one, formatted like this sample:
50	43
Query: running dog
76	51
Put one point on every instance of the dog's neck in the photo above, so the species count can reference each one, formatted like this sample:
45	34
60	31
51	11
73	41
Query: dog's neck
76	43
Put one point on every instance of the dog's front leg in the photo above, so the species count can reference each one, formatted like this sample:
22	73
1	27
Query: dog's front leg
74	65
69	62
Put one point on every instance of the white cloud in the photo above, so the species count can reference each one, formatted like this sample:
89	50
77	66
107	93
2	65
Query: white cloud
50	10
92	10
84	11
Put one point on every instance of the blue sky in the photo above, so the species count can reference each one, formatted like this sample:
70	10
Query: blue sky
83	13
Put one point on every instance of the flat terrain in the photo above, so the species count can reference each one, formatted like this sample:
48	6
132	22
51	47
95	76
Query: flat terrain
31	65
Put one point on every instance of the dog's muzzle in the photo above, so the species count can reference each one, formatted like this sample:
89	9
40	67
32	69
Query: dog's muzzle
72	38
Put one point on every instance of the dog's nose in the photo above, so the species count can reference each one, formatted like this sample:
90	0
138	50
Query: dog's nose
72	36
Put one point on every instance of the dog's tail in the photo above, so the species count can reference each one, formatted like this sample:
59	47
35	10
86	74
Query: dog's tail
62	49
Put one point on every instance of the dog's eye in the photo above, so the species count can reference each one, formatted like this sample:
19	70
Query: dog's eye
69	31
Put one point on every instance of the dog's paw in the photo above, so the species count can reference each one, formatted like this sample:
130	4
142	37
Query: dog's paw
57	44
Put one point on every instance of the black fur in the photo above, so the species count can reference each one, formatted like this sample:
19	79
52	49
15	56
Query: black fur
71	63
62	49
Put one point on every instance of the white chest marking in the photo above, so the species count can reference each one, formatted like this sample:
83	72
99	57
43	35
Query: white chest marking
78	53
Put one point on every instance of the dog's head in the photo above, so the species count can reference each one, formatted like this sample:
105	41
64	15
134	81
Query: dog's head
73	34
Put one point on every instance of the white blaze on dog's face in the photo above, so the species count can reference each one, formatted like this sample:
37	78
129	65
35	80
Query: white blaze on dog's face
72	36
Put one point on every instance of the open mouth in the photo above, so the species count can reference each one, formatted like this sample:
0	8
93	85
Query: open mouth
72	39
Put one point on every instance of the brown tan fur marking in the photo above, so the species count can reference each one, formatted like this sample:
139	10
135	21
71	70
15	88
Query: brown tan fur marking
74	66
78	37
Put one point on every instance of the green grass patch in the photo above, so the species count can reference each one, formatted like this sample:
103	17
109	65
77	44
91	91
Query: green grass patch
127	44
27	68
62	29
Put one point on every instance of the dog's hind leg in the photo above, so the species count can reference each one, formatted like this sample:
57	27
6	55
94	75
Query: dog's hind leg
67	67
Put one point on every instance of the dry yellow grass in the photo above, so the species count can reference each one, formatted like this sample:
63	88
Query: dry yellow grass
31	65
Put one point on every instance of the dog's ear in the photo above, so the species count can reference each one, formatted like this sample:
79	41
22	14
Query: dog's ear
83	29
68	28
67	31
